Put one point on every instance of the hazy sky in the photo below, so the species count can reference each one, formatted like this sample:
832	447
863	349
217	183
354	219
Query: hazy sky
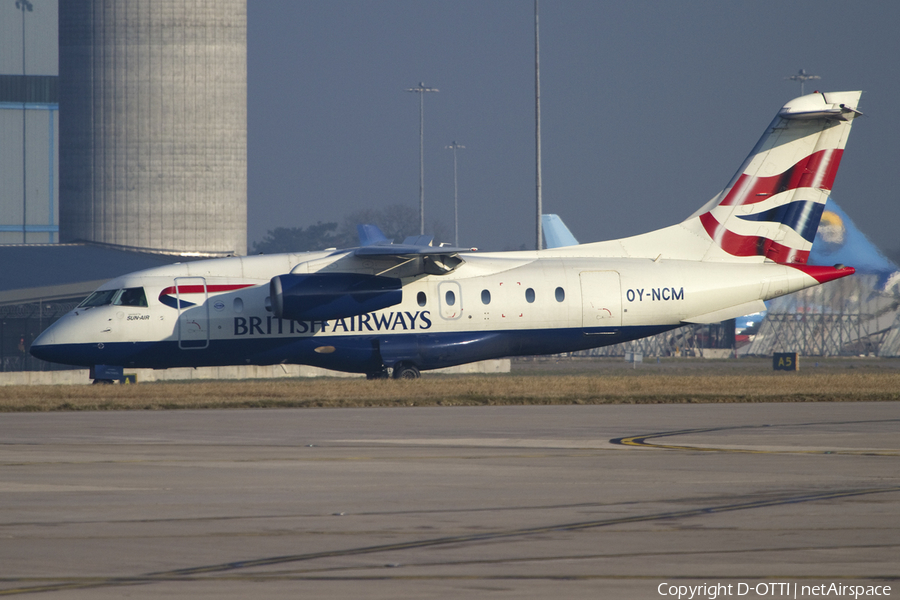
648	108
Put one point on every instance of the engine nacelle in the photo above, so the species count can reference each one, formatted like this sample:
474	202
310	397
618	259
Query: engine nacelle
324	296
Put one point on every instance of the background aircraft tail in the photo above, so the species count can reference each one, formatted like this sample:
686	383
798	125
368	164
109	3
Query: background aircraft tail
556	234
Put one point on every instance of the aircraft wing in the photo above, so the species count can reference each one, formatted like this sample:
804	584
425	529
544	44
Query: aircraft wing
359	280
415	256
406	250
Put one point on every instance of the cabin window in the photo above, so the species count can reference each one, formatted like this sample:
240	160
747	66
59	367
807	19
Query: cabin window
126	297
238	305
560	294
99	298
420	298
450	298
131	297
485	297
529	295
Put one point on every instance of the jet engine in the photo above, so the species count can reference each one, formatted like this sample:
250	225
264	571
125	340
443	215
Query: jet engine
324	296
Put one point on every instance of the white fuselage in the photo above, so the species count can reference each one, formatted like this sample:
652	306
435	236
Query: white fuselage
492	305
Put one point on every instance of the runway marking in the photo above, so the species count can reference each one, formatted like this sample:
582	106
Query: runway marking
641	440
191	573
492	442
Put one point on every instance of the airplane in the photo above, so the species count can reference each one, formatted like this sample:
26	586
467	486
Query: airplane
393	310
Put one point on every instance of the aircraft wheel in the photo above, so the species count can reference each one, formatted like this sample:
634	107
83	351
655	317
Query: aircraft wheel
406	372
104	381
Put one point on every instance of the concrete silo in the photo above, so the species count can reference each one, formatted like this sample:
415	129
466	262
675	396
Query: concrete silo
153	124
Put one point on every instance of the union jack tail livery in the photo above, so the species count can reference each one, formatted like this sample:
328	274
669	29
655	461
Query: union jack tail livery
771	208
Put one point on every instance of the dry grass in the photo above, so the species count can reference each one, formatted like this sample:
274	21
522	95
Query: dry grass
461	391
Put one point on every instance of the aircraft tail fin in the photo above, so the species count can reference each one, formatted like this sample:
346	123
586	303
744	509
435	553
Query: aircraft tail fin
771	208
556	234
371	235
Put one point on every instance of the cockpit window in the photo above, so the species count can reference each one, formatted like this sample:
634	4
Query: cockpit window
126	297
99	298
131	297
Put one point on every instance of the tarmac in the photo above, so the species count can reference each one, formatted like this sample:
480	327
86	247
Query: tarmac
612	501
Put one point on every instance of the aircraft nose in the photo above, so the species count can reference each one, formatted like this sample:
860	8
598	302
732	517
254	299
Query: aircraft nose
42	343
45	338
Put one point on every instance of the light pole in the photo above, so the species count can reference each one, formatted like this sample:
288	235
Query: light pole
539	242
802	76
422	90
24	5
454	146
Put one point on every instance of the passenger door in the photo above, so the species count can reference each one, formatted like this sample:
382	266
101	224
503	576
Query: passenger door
601	299
191	296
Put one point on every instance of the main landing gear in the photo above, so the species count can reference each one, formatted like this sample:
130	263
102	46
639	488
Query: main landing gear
400	371
406	371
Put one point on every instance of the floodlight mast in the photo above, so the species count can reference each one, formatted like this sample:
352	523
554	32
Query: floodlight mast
539	242
422	90
25	6
802	76
454	146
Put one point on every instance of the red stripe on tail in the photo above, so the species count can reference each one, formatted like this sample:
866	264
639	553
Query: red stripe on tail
817	170
751	245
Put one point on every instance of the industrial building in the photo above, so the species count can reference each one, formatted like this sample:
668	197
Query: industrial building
29	123
123	146
153	131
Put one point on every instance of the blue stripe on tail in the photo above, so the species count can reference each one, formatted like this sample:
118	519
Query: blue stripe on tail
803	217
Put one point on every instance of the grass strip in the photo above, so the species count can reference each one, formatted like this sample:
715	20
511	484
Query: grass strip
470	390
